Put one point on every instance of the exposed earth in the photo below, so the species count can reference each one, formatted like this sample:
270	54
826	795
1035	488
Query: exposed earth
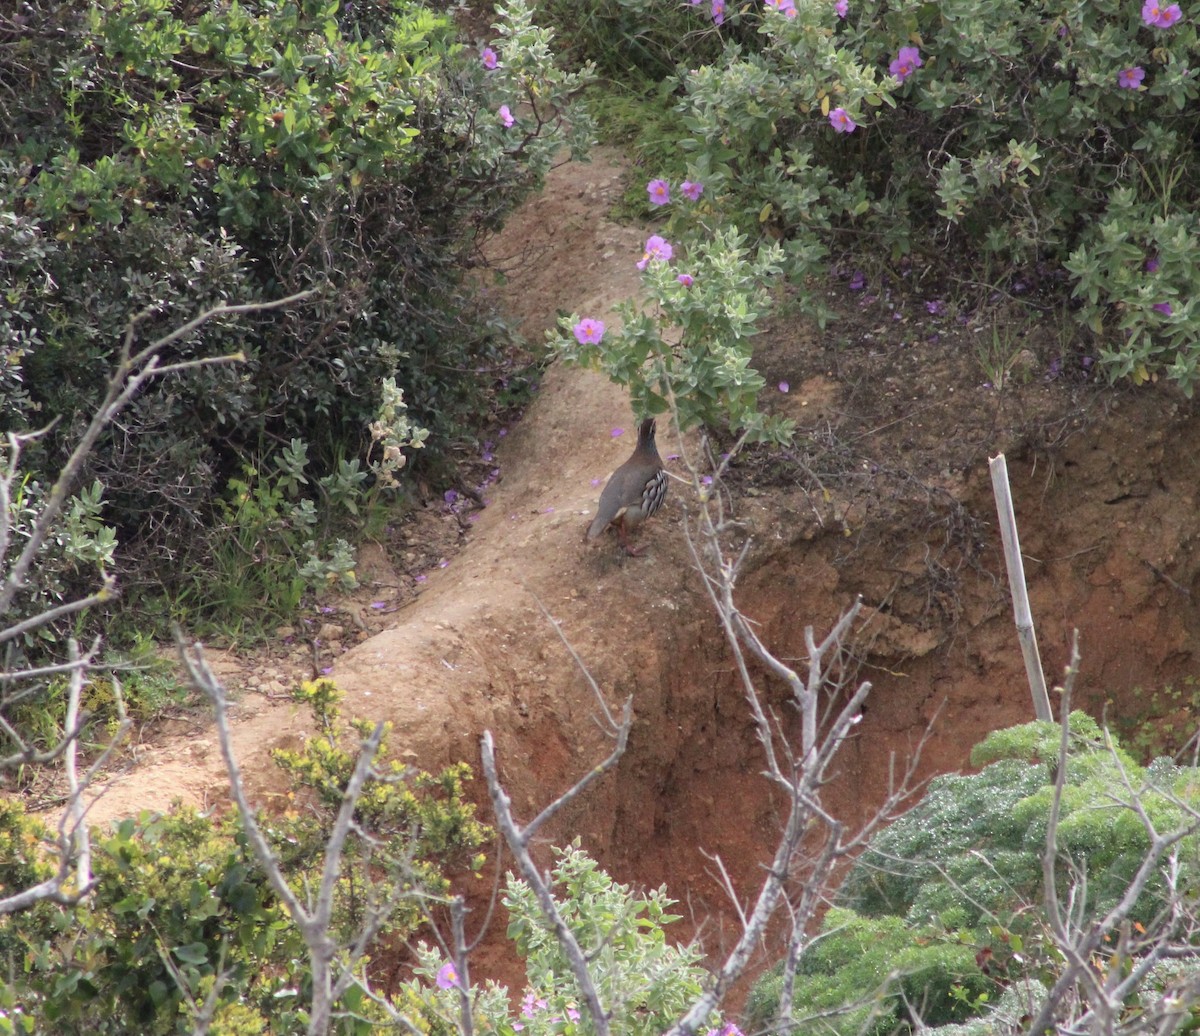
888	497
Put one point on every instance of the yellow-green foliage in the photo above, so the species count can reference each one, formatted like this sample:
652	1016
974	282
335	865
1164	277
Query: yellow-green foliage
181	898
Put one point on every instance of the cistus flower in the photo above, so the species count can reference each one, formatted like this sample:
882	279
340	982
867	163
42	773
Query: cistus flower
691	191
908	60
686	280
1152	264
656	248
531	1005
840	120
589	331
784	7
506	116
447	976
659	191
842	8
1131	78
489	59
718	11
1163	307
1159	16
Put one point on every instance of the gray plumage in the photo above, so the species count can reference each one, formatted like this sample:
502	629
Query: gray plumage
635	491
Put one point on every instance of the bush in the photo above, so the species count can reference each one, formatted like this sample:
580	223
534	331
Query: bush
167	157
644	982
1010	143
181	903
944	906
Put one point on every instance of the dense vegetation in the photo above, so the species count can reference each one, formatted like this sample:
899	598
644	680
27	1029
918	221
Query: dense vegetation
1036	150
158	158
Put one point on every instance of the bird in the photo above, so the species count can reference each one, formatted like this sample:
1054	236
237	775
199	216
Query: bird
634	492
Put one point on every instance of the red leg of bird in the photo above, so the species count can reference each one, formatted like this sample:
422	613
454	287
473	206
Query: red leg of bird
632	551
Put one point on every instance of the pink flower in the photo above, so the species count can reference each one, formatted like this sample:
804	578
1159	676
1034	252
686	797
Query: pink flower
656	248
589	331
784	7
686	280
908	60
447	976
784	387
1160	17
659	191
691	191
506	116
718	11
1162	307
488	56
840	120
842	8
1131	78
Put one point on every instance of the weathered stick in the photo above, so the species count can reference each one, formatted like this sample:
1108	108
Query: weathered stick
1020	596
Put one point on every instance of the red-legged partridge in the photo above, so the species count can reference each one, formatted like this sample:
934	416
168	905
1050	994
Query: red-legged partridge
634	492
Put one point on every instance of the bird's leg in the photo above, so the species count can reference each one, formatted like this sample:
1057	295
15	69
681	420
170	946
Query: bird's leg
630	549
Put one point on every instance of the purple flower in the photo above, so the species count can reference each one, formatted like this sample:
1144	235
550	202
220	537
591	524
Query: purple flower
447	976
1152	264
660	192
489	59
858	281
531	1005
691	191
450	496
656	248
1162	307
1160	17
686	279
842	8
784	7
718	11
784	387
572	1014
616	433
935	307
908	60
506	116
1131	78
840	120
589	331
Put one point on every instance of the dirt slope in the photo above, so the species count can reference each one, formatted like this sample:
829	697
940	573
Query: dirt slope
895	506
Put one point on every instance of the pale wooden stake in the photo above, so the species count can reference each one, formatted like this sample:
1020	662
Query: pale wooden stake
1020	596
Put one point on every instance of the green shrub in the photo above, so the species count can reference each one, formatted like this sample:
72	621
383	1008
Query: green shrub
1021	143
167	157
180	902
869	975
946	902
688	347
644	981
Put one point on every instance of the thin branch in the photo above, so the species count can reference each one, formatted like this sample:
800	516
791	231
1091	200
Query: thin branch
517	841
